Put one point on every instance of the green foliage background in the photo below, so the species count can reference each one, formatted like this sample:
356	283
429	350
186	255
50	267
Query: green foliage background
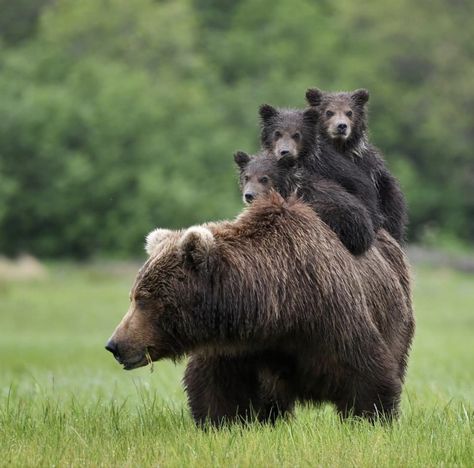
117	116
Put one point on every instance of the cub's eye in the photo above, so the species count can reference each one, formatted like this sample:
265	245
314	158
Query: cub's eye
264	180
277	134
349	113
329	113
296	136
246	178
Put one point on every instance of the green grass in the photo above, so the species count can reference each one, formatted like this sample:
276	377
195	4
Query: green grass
64	401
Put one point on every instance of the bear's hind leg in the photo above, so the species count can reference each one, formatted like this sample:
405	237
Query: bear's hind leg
371	398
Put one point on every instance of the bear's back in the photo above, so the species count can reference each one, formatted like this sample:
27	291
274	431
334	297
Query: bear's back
291	260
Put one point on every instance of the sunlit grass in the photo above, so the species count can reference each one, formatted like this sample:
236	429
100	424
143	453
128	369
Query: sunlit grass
63	399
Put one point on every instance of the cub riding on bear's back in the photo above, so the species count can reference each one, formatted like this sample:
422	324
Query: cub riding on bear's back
340	210
342	125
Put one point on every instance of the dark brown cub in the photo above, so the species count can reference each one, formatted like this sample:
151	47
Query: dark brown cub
341	211
342	125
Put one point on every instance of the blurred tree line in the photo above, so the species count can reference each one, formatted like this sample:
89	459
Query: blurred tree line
117	116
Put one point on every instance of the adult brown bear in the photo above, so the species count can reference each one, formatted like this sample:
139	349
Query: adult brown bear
273	310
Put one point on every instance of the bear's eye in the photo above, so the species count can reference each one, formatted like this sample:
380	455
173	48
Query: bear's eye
246	178
329	113
349	113
277	134
296	136
264	180
141	301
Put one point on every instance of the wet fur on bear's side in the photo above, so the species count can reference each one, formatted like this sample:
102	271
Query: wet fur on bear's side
272	310
340	210
294	132
342	124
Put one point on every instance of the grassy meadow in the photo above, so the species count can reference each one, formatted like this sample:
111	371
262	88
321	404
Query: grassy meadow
65	401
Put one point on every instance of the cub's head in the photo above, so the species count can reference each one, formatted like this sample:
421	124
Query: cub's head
166	290
261	173
342	116
287	131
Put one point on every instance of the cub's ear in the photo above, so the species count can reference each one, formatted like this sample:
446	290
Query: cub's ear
155	238
196	245
311	116
360	96
286	162
314	96
267	112
241	159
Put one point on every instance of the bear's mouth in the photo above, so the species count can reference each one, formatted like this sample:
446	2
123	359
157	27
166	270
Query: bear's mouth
134	364
129	364
340	134
144	359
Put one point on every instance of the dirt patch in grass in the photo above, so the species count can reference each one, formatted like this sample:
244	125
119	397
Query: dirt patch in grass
23	268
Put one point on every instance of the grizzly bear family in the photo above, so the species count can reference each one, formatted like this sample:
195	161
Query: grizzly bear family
304	297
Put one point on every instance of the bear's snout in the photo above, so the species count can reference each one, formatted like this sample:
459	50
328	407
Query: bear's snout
134	340
127	356
249	197
342	127
113	348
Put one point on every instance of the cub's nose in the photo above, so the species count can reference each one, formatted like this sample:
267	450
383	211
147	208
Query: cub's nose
249	197
112	347
342	127
283	152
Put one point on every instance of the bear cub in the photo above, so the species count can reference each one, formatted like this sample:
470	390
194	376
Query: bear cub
340	210
342	125
293	132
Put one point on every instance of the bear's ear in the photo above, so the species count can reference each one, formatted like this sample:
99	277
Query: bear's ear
241	159
360	97
154	239
286	162
267	112
314	96
310	116
196	245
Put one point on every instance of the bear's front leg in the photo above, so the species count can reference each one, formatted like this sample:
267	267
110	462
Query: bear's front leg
227	389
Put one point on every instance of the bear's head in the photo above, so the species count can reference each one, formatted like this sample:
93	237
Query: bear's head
342	116
166	290
288	131
261	173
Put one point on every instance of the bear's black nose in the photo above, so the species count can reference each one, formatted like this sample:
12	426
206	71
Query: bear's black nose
342	127
112	347
249	197
283	152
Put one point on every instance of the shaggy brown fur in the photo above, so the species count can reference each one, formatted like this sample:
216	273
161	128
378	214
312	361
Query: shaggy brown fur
273	310
342	125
